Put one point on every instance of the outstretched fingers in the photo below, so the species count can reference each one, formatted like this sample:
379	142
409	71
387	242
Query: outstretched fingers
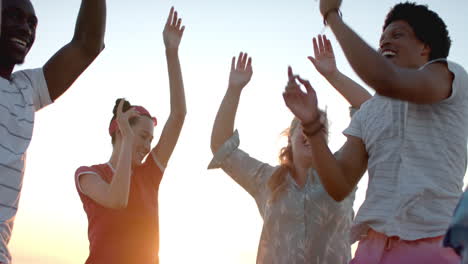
243	62
321	44
179	23
170	17
328	45
249	64
174	19
290	74
239	60
233	63
316	48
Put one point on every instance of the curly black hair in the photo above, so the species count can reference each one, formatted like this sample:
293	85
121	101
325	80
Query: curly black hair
426	24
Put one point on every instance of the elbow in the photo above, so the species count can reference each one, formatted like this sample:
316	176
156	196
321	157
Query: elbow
337	194
214	144
93	51
179	116
213	147
338	197
90	47
384	89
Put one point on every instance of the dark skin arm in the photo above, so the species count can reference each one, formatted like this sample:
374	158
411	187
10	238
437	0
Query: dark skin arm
1	8
87	43
429	85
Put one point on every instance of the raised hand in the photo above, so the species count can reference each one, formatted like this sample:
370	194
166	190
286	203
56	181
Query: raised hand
123	120
302	105
241	73
324	58
173	30
328	5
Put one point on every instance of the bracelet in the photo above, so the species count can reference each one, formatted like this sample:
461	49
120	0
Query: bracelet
311	128
313	132
311	122
337	10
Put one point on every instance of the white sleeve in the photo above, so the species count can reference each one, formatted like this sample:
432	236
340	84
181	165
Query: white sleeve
36	80
248	172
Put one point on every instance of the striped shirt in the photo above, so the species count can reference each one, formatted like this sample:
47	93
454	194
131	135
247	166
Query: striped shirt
417	161
26	93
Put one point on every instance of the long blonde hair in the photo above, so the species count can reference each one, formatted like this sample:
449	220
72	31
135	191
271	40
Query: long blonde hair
277	182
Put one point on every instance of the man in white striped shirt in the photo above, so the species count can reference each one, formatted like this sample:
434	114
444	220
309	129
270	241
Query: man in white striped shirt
23	93
411	136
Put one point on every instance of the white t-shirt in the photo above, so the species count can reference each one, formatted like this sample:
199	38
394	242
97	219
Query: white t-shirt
417	161
20	98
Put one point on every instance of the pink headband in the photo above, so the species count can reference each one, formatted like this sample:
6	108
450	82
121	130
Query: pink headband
114	126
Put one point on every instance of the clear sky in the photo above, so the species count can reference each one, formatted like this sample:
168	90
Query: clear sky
205	217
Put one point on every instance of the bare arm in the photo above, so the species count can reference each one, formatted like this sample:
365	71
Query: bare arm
88	41
1	11
116	193
172	34
325	63
240	75
339	175
429	85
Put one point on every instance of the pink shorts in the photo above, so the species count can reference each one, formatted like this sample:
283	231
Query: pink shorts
377	248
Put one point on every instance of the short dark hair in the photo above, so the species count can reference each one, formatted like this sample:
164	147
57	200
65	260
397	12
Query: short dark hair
426	24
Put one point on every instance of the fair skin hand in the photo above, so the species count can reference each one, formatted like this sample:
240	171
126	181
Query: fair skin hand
395	76
340	175
325	63
223	128
115	194
172	35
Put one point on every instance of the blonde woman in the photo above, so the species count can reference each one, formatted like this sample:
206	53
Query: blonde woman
301	222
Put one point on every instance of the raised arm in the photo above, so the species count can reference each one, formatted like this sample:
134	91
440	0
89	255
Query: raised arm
241	73
114	194
325	63
87	42
172	35
338	175
1	11
429	85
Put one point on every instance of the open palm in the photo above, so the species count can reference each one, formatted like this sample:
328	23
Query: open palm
173	30
324	58
241	72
